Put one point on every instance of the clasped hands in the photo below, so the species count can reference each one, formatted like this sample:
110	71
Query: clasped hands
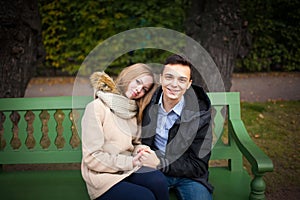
145	157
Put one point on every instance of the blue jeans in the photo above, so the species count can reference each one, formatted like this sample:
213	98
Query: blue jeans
188	189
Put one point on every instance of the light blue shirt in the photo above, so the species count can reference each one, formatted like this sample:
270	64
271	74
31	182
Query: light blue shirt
165	121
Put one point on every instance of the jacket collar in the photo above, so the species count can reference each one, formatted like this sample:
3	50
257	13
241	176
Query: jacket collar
196	102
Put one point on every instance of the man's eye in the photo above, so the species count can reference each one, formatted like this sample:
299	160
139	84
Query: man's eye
168	77
182	80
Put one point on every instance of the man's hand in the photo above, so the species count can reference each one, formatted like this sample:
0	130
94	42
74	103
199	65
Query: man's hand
149	159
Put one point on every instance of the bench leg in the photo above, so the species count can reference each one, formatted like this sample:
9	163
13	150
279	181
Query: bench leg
258	187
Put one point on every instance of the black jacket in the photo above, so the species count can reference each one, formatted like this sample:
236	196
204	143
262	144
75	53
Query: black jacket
190	139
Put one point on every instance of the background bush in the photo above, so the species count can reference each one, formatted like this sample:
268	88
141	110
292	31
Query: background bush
71	29
275	30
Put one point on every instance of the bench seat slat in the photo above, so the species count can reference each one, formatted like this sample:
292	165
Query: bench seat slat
37	157
44	185
61	185
229	185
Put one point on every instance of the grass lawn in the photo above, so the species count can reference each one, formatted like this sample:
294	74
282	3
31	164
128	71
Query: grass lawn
275	128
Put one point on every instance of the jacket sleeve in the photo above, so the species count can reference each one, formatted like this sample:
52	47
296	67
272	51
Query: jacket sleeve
94	156
193	162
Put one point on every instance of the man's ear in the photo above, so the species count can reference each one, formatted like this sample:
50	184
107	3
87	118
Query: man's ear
190	83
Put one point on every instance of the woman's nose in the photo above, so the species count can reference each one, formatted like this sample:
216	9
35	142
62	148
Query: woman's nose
139	88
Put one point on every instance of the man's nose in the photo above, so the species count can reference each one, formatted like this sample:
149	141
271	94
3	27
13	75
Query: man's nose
174	82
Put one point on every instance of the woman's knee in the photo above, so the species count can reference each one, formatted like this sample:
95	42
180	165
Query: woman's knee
159	178
127	191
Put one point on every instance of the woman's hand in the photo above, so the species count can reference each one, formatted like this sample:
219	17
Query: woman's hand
149	158
139	148
136	160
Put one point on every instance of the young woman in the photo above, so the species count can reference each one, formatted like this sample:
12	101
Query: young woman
110	165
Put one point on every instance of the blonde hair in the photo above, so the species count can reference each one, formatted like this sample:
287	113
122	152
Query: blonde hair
130	73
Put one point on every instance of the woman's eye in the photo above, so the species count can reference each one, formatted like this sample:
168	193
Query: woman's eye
138	81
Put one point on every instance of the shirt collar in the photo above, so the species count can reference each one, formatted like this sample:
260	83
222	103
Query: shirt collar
177	108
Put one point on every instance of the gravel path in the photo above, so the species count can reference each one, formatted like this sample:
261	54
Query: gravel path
264	87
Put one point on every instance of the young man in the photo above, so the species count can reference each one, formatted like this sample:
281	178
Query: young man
176	125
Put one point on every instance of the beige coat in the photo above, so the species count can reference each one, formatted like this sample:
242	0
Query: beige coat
106	148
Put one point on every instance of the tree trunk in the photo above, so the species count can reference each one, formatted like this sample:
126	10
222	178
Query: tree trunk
21	46
218	27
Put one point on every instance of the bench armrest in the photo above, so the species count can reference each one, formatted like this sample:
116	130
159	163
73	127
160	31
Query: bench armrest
259	161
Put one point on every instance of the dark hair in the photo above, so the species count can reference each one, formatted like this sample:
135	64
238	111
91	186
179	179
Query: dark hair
177	59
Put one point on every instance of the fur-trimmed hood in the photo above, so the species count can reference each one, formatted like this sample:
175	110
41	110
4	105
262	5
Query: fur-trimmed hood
106	90
100	81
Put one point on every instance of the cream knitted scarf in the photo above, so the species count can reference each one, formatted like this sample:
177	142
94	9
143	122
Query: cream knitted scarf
120	105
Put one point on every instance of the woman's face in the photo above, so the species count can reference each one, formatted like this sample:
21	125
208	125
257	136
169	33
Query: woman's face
139	86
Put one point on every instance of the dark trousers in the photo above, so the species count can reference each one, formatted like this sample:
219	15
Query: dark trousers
146	184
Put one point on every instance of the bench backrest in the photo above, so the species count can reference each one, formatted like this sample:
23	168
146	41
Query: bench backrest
42	130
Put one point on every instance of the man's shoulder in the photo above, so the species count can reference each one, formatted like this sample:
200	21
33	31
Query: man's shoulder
197	94
197	89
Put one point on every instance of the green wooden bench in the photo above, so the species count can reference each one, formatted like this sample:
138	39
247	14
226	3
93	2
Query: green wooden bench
35	131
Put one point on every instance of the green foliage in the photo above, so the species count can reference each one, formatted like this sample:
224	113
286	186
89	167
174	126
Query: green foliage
274	25
71	29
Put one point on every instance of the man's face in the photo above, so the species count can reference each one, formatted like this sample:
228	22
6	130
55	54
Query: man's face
175	80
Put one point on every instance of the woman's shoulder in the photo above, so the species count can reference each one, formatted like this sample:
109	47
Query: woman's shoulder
96	104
